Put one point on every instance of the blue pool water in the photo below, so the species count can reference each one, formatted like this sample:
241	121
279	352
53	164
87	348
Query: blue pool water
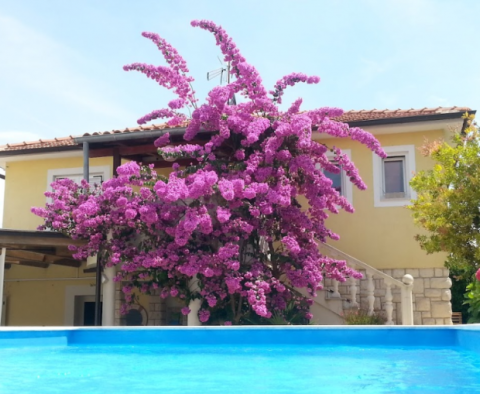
241	360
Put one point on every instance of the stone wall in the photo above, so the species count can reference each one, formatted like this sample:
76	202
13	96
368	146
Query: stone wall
119	299
160	311
431	295
431	298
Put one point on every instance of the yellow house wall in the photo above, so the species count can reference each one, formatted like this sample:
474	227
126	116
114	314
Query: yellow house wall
33	297
382	236
38	302
25	185
379	236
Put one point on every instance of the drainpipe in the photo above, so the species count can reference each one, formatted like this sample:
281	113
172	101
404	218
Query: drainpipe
98	291
108	286
86	161
2	274
98	272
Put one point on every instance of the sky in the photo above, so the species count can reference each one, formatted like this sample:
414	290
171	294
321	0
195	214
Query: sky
61	61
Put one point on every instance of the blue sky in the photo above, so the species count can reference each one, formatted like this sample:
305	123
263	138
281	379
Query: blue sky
61	69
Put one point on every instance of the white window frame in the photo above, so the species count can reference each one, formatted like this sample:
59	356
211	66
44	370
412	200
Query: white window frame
347	188
408	153
104	171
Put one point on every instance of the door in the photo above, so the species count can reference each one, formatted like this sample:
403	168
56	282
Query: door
84	313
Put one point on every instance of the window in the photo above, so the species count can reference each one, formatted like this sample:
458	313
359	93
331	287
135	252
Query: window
94	178
340	182
392	176
97	175
337	180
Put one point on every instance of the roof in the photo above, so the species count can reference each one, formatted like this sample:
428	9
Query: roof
354	118
376	114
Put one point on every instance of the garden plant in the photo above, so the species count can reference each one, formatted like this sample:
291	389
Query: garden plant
448	204
238	227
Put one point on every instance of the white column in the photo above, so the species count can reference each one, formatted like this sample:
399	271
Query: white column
108	290
195	305
2	274
353	292
370	293
407	300
192	318
335	293
389	303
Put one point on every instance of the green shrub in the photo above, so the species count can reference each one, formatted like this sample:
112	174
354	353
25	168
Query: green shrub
359	317
473	300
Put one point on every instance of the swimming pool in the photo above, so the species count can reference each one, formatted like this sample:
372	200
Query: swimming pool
308	359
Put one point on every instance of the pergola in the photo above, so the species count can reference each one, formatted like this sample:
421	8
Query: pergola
35	249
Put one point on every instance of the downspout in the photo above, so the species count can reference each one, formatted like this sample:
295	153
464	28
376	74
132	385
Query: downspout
98	271
86	161
2	273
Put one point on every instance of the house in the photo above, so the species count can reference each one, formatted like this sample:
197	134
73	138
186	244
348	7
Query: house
43	285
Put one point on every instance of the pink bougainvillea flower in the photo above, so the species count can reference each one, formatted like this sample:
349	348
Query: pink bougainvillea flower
232	221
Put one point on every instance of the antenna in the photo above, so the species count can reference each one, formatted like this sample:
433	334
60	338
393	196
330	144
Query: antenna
219	72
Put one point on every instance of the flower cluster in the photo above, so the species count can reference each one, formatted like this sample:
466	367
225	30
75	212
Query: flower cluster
243	221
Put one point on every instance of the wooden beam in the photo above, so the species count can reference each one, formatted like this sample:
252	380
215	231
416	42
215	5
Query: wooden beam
104	152
17	241
128	150
23	256
123	150
35	264
167	164
68	263
43	257
31	248
89	270
63	262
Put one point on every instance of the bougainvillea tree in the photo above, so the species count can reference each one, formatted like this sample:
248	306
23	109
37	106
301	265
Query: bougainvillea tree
243	221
